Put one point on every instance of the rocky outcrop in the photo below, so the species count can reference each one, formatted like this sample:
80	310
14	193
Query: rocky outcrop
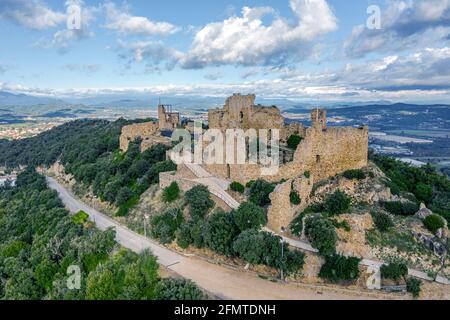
433	243
423	212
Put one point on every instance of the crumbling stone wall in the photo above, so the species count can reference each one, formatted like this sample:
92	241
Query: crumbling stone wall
150	131
281	212
240	111
138	130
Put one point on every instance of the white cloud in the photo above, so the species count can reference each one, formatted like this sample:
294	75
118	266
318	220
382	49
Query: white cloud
246	40
33	14
152	53
86	68
123	22
405	25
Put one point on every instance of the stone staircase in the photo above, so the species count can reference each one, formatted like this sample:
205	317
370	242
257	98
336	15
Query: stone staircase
215	185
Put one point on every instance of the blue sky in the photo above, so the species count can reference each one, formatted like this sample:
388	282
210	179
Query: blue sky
297	49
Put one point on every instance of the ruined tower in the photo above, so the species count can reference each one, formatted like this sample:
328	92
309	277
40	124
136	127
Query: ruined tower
168	120
319	119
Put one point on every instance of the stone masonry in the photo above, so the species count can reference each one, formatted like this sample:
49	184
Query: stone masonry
150	132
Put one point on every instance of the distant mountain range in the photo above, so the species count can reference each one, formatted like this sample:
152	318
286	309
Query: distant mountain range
10	100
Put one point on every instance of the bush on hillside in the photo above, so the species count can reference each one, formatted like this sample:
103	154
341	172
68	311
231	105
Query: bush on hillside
294	198
249	216
171	193
164	225
339	268
337	203
401	208
394	270
322	235
357	174
260	191
199	201
219	233
382	221
413	286
236	186
434	222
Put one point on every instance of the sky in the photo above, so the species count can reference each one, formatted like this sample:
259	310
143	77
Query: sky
305	50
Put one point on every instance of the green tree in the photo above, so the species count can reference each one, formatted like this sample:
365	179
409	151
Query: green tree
249	216
199	201
123	196
236	186
337	203
293	141
424	192
171	193
434	222
219	233
394	270
382	221
260	191
164	225
339	268
179	289
322	235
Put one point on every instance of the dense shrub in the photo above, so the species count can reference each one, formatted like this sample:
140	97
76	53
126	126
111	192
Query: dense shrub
340	268
354	174
295	260
294	198
413	286
382	221
337	203
80	218
178	289
260	191
307	174
171	193
249	216
250	246
322	235
265	248
394	270
219	233
183	234
434	222
249	184
236	186
123	196
166	224
401	208
293	141
423	192
199	201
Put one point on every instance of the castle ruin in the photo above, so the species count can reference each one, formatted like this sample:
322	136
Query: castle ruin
151	132
323	152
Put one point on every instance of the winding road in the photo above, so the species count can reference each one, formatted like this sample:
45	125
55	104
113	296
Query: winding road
223	282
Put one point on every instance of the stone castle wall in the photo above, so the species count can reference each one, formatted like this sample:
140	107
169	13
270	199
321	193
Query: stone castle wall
133	131
240	111
324	153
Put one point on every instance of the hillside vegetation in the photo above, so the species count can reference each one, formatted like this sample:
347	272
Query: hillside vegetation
89	150
42	249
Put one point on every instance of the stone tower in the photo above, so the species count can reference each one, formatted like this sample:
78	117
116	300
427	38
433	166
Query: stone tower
167	120
319	119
